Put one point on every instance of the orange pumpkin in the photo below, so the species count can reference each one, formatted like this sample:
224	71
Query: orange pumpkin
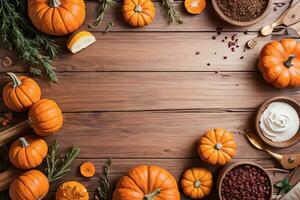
279	63
72	190
45	117
138	13
147	183
21	93
197	182
56	17
32	185
195	6
217	146
28	152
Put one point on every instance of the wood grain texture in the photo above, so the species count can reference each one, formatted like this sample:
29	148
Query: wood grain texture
118	91
153	134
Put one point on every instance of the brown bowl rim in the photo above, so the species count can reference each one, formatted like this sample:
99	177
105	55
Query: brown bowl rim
233	165
241	24
292	102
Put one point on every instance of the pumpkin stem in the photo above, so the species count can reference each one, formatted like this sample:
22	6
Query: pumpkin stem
288	62
138	8
218	146
152	195
54	3
197	184
23	142
16	81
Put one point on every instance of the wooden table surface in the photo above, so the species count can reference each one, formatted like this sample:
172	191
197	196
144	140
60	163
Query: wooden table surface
145	96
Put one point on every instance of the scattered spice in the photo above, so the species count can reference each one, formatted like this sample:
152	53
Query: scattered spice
208	64
242	57
224	57
197	52
246	182
7	62
214	37
246	32
243	10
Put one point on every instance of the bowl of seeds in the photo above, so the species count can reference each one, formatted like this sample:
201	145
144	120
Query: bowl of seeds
244	180
242	12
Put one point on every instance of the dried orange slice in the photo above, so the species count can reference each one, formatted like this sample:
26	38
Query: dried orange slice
87	169
195	6
80	40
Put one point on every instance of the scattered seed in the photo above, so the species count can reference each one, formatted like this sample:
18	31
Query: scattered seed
197	52
242	57
214	37
225	57
208	64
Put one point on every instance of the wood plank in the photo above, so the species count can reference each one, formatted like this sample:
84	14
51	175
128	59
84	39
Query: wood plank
109	91
153	134
206	21
158	52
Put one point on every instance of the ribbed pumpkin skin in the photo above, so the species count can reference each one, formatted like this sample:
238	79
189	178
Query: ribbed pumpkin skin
143	180
72	190
272	61
58	21
138	19
21	97
28	157
32	185
197	182
217	147
45	117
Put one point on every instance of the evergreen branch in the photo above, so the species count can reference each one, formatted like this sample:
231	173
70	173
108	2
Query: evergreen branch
173	15
104	189
102	8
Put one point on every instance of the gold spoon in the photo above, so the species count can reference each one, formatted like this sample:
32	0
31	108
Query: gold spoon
287	161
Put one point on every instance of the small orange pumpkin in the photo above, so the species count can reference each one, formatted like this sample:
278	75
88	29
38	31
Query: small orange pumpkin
45	117
72	190
217	146
21	93
195	6
197	182
87	169
279	63
147	183
56	17
138	13
32	185
28	152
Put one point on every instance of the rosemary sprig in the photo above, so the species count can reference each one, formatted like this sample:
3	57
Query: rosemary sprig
284	186
101	10
17	32
57	166
108	27
173	15
104	189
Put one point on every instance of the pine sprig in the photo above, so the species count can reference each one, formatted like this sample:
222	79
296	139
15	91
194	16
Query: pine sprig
173	15
57	166
104	189
101	10
284	186
17	32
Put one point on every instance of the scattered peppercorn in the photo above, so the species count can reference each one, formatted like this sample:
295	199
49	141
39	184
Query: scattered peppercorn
225	57
242	57
197	52
214	37
208	64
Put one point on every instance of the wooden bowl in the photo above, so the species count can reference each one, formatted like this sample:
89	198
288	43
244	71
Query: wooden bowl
295	104
230	166
225	18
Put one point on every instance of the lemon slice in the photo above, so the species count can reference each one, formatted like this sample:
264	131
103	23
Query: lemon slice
80	40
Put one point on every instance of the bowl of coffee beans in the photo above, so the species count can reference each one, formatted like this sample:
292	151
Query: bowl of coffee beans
244	180
242	12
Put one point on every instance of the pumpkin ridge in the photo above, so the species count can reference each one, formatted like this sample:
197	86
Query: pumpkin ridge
19	194
144	13
28	96
20	92
75	17
25	187
21	162
52	21
42	17
136	184
61	17
32	184
38	152
149	178
26	156
16	100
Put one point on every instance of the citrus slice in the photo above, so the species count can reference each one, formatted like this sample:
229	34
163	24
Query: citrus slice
195	6
80	40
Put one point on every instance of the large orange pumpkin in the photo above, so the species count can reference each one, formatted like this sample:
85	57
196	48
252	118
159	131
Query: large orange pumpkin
147	183
28	152
56	17
32	185
21	93
45	117
197	182
280	63
138	13
217	146
72	190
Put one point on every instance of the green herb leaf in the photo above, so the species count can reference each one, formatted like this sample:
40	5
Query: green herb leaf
173	15
17	32
102	8
57	166
104	189
284	186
